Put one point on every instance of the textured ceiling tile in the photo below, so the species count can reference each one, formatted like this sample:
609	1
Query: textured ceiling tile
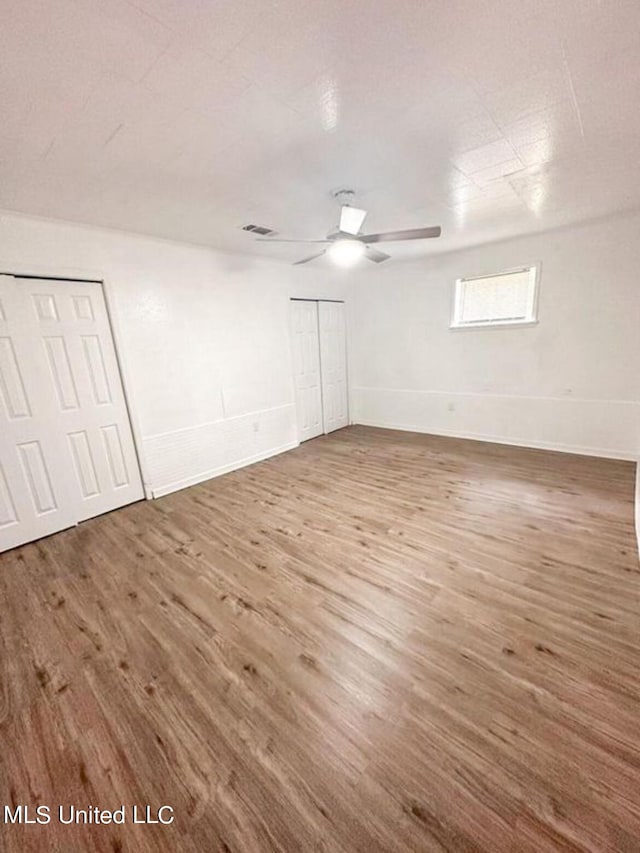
550	124
484	157
186	119
189	79
516	101
114	35
489	175
475	132
217	28
598	30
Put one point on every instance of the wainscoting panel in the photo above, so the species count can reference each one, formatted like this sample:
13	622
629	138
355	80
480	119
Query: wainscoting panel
593	427
184	457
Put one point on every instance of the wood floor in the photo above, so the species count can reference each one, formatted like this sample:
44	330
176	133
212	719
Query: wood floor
377	642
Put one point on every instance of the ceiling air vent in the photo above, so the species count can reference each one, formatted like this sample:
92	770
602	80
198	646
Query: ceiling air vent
258	229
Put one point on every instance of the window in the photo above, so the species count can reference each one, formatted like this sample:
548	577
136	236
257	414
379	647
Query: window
502	299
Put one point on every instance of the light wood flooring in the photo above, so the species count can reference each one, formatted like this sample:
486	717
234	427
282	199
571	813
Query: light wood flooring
377	642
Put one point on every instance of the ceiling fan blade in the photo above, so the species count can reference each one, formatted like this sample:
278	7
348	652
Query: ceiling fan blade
278	240
411	234
310	258
351	219
376	255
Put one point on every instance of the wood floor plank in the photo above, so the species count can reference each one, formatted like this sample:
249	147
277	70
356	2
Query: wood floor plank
380	641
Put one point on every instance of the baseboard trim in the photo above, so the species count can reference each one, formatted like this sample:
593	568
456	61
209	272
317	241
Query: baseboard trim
160	491
603	452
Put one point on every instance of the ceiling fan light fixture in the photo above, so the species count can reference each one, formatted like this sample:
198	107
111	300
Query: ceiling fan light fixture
351	219
346	253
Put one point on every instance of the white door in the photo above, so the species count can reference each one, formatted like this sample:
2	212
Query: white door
66	448
333	360
306	368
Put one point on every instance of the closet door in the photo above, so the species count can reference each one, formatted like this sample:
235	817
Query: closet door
333	360
306	368
66	450
35	489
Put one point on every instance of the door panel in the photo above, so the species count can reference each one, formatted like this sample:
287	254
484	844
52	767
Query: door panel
333	359
66	452
35	493
306	368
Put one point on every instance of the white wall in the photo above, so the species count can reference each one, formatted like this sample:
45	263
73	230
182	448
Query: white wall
203	339
204	343
571	382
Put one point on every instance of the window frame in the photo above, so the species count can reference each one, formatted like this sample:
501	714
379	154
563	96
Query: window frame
532	320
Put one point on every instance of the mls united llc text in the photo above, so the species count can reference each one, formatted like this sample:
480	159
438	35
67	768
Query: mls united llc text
22	814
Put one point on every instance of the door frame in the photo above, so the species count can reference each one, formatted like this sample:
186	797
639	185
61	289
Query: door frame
346	352
93	277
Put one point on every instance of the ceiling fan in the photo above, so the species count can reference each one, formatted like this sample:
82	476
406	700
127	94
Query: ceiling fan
347	245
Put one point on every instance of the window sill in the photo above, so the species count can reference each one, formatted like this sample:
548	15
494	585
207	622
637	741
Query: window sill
510	325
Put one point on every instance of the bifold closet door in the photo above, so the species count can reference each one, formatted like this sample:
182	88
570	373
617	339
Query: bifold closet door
333	365
306	368
66	447
320	366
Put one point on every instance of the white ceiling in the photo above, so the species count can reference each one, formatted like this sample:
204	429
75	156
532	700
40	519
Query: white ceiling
188	118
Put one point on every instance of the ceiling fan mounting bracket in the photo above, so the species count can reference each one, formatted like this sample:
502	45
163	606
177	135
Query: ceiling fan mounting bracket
343	196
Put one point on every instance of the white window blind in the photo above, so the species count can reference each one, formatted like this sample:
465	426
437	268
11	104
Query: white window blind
499	299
